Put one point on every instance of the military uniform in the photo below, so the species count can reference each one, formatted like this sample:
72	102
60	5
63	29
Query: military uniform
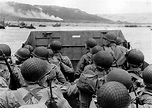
145	94
90	67
3	82
8	99
64	64
34	72
55	74
4	75
119	51
84	61
103	60
17	73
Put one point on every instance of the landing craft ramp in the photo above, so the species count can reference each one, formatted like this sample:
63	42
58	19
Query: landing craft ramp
72	41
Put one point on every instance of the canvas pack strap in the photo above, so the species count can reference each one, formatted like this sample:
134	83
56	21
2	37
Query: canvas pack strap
32	93
22	101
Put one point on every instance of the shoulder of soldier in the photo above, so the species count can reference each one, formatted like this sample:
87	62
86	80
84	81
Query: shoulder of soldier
121	48
90	67
3	83
66	58
8	96
51	65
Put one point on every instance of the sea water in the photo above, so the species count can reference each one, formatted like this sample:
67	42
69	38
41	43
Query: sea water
139	37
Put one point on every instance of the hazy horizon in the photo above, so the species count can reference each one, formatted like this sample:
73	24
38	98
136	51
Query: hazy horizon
97	6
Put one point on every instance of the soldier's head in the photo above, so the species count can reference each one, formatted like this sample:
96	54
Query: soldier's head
29	47
135	57
110	38
56	46
22	54
90	43
103	59
41	52
147	76
119	75
4	48
96	49
34	70
113	95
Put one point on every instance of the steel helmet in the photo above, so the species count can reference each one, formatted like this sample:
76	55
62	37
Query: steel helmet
113	95
33	69
91	43
119	75
55	45
41	52
96	49
4	48
147	74
119	41
110	37
29	47
23	53
103	59
135	57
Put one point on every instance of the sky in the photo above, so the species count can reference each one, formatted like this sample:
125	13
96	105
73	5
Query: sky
97	6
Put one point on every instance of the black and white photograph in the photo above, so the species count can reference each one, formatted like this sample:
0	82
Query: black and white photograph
75	53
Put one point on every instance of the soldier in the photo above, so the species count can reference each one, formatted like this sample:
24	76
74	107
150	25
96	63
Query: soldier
94	50
34	71
89	80
11	80
144	97
4	72
86	59
29	47
43	53
4	48
56	74
63	62
113	95
135	60
21	55
118	52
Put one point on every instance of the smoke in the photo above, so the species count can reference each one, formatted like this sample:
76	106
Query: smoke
6	8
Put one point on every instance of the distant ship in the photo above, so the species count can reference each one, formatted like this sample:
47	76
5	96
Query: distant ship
56	25
28	26
2	24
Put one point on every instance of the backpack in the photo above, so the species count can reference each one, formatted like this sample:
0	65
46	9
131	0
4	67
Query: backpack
22	101
87	82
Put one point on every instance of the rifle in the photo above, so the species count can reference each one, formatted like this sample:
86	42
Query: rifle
51	103
14	82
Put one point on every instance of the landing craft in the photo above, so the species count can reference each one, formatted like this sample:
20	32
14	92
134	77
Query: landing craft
28	26
72	45
13	25
72	41
42	25
56	25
